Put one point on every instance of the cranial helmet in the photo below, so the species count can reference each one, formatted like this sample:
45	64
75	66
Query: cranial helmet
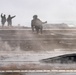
35	16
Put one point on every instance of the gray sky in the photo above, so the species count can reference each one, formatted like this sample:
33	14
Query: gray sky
53	11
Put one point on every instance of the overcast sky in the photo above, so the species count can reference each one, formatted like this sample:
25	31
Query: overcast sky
52	11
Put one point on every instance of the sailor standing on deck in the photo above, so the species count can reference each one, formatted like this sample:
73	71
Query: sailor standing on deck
37	24
3	19
9	20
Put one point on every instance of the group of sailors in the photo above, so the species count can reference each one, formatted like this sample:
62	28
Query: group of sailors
36	23
4	19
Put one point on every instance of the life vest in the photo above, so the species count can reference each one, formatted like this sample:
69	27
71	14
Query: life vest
38	22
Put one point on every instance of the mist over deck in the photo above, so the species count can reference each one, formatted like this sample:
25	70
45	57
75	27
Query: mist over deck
24	48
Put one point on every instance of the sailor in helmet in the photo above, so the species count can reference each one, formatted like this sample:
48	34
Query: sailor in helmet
36	23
